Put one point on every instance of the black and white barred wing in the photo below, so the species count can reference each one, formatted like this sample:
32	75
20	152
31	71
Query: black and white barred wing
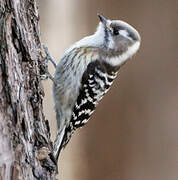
95	83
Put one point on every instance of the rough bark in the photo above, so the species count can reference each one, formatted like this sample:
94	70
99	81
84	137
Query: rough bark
25	144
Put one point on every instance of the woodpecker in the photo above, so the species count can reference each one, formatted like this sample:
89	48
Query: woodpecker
86	72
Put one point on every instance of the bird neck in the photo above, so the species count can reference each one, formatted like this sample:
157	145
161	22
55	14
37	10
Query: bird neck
95	40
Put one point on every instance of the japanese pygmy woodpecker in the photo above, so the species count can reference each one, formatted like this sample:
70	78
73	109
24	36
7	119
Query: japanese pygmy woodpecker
86	72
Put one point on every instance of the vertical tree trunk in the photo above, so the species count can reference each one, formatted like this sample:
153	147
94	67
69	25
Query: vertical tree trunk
24	134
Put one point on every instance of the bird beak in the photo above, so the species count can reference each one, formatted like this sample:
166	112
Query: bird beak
103	19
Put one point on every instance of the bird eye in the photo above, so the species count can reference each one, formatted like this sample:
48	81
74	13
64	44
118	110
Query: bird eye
115	32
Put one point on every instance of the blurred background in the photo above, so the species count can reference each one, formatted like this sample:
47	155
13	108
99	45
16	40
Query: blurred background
133	134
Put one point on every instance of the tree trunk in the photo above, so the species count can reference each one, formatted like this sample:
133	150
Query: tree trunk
25	144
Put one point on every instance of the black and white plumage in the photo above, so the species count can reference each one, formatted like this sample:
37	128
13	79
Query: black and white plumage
96	81
86	72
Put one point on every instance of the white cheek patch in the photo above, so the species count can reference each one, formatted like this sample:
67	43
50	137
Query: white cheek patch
119	60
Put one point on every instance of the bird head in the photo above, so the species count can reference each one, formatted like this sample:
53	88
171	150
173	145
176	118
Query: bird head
119	36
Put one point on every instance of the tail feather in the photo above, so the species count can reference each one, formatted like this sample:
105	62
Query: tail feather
58	143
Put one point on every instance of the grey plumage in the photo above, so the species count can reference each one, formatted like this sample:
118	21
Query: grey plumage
85	73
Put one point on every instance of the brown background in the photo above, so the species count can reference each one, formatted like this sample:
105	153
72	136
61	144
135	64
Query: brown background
133	135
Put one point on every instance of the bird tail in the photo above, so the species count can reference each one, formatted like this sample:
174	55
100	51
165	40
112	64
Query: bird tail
58	144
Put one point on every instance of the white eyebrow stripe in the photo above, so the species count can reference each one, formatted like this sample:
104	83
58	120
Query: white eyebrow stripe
123	33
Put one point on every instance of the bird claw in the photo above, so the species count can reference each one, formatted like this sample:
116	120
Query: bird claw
44	68
48	57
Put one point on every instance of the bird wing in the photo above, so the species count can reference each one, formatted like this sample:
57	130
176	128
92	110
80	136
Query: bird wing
95	83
